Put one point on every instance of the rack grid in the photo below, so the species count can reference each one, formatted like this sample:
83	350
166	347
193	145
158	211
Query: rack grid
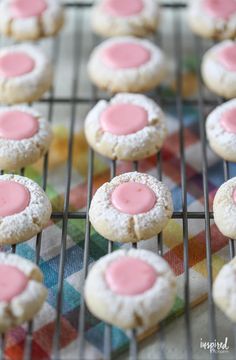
201	101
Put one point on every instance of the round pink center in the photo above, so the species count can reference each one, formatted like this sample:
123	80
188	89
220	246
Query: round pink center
228	120
133	198
130	276
27	8
227	57
124	119
125	55
15	64
221	9
14	198
17	125
12	282
123	7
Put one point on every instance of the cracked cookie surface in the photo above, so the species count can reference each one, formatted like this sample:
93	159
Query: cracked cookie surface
30	20
116	225
219	69
22	292
25	209
120	140
130	288
25	136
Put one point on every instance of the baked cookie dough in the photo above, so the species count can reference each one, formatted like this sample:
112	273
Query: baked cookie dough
22	293
219	69
131	207
224	289
122	17
128	127
30	19
127	64
224	208
24	209
25	136
130	288
221	130
25	74
214	19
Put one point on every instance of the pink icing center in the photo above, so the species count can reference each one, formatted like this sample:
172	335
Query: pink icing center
12	282
123	7
17	125
123	119
130	276
27	8
220	8
133	198
228	120
125	55
14	197
15	64
227	57
234	195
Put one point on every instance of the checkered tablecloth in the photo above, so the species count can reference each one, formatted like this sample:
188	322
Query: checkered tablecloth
44	323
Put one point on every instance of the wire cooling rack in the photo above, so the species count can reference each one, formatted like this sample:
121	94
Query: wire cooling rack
74	98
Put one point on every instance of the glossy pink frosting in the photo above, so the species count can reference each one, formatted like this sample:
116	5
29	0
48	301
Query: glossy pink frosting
221	9
17	125
133	198
124	55
12	282
124	119
227	57
15	64
123	7
130	276
228	120
27	8
14	197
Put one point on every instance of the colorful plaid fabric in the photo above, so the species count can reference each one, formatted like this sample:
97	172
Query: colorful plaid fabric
44	323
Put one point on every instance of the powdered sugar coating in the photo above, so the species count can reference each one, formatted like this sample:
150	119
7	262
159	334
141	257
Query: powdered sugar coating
26	224
217	78
117	226
25	305
224	209
139	24
16	154
224	289
34	27
208	26
140	79
142	310
136	146
29	86
222	142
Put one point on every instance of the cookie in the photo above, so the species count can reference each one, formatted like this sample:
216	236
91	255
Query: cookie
22	293
24	209
224	208
224	290
219	69
122	17
25	74
213	19
25	136
30	20
221	130
131	207
130	288
126	64
128	127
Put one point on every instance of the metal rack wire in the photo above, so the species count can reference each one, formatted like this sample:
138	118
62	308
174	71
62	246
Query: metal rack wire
178	102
